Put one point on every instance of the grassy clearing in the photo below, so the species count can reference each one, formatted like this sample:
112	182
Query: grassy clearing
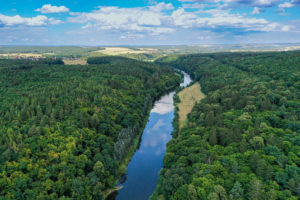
188	97
78	61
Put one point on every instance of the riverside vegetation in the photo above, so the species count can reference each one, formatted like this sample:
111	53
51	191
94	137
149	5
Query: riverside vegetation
243	140
65	130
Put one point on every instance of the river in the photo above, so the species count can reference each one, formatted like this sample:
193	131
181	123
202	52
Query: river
141	177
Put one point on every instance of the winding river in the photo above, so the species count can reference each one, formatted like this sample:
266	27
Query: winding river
141	177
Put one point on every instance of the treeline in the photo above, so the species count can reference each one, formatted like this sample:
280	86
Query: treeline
59	124
62	51
243	140
107	60
19	63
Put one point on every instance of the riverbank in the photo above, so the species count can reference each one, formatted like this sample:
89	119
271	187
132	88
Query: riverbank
143	169
184	101
124	163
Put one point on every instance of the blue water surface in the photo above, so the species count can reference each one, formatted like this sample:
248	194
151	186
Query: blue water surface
141	177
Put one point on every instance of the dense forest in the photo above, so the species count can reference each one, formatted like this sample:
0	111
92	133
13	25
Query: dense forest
66	129
243	140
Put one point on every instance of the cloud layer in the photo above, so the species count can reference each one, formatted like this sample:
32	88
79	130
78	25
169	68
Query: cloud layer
149	19
17	20
48	8
201	20
164	18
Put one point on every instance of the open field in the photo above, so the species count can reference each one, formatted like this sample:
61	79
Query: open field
76	61
188	97
23	55
124	50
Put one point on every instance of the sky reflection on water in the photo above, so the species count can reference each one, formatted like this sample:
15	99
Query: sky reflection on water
143	169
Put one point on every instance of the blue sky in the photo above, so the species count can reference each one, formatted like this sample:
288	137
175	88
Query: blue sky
148	22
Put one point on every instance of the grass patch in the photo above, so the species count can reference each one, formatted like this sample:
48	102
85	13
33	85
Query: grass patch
75	61
188	98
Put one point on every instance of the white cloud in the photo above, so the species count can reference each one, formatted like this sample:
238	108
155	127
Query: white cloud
17	20
54	21
48	8
156	141
286	5
162	6
162	19
164	105
194	5
39	20
220	18
184	19
255	11
160	123
265	3
148	19
283	6
286	28
261	4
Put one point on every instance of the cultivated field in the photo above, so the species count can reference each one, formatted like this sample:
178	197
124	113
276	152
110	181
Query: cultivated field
188	97
123	50
23	55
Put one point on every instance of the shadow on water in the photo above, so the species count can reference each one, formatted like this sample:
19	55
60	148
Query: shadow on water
141	177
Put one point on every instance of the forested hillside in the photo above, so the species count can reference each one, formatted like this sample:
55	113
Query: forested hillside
243	140
66	129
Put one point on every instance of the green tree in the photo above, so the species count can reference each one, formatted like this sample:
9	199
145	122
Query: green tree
94	121
210	119
213	140
237	191
257	142
99	168
256	190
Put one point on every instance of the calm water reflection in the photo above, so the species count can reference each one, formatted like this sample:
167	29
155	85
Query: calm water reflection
143	169
187	80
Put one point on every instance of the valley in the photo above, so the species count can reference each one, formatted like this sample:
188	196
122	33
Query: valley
112	127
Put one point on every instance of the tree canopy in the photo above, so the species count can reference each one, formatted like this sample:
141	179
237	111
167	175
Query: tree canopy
65	129
243	140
